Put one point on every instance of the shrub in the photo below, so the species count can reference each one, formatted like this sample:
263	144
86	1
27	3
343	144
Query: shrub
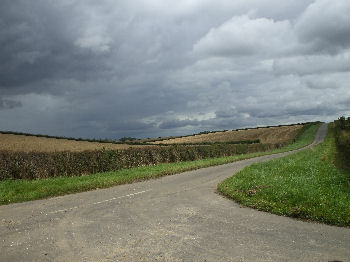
37	165
342	139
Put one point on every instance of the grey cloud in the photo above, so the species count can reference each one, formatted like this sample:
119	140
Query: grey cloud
37	46
9	104
312	64
130	125
243	35
228	113
153	68
321	84
178	123
325	26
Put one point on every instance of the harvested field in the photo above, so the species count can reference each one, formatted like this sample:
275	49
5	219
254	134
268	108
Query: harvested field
22	143
266	135
30	157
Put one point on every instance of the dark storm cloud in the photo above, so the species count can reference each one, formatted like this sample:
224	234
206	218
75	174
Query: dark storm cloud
9	104
178	123
151	68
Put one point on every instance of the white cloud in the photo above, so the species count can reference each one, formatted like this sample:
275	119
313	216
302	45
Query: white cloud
324	25
243	35
95	39
95	43
126	68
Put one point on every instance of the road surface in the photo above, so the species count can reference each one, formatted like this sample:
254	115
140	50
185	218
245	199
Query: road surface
174	218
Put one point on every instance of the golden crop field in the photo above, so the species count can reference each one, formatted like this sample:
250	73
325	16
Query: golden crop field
266	135
21	143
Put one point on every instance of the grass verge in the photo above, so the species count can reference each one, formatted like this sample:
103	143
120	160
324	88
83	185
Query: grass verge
304	185
12	191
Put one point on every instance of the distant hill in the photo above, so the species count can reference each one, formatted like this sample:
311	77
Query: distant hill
24	142
269	134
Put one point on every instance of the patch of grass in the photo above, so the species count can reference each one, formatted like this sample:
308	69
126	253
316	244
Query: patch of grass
12	191
305	185
306	138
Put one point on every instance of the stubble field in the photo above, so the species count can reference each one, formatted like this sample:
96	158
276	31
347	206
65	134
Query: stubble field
266	135
22	143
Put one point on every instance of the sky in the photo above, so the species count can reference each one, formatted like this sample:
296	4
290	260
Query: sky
150	68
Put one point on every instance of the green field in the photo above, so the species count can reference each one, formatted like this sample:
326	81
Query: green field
12	191
304	185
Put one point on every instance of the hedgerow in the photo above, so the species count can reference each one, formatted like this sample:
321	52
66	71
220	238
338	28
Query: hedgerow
342	139
37	165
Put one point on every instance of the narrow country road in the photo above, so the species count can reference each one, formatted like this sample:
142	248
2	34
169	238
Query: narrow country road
174	218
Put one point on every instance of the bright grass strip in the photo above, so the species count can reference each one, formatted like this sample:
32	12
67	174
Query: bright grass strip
12	191
304	185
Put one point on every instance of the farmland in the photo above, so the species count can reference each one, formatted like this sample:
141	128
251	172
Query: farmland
20	165
22	143
266	135
32	157
33	143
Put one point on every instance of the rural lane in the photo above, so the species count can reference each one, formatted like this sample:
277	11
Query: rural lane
174	218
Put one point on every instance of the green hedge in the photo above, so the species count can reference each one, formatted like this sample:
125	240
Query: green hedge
342	139
343	123
210	143
37	165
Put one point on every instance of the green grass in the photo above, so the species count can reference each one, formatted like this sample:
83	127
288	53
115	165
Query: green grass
306	138
305	185
12	191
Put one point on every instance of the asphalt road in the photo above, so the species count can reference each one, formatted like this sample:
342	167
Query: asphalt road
174	218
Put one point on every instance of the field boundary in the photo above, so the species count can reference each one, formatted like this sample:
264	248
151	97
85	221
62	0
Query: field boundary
12	191
137	141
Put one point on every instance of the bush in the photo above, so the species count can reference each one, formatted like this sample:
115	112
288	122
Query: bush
342	139
343	123
37	165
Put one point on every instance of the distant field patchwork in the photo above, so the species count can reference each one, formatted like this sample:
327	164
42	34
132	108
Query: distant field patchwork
32	143
26	156
266	135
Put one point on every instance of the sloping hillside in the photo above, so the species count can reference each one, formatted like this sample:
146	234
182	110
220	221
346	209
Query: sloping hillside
265	135
29	143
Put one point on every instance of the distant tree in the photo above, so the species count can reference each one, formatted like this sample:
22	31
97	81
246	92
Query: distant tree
342	122
124	139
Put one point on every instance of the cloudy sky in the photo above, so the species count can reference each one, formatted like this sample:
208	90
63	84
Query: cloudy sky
149	68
